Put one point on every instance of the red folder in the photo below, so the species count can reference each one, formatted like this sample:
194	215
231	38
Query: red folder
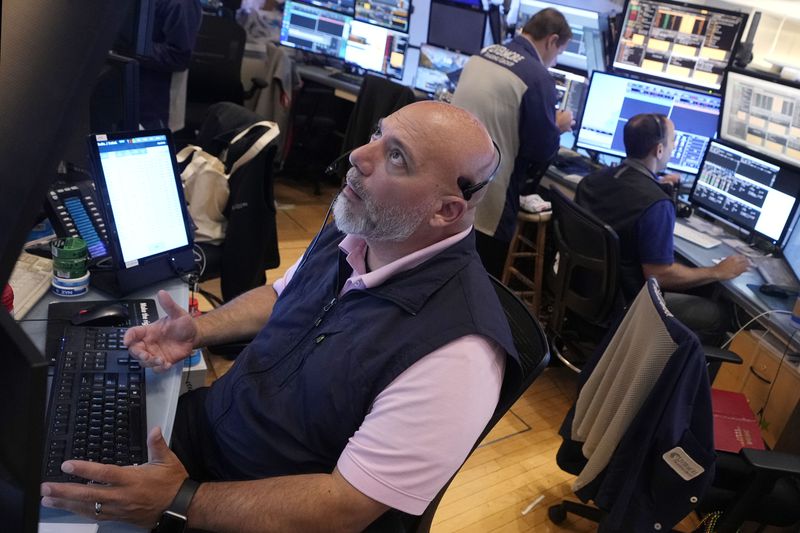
735	427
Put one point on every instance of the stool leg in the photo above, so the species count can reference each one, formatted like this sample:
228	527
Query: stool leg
539	267
512	250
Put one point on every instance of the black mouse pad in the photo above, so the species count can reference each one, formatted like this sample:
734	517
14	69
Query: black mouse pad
772	302
58	314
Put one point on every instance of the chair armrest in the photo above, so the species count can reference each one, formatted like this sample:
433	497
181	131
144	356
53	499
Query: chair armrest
772	461
718	355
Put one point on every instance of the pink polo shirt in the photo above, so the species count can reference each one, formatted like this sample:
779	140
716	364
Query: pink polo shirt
423	424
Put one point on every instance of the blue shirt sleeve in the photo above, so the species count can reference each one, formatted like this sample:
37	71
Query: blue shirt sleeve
654	237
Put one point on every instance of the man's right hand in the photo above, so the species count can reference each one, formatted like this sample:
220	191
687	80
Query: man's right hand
732	266
166	341
564	120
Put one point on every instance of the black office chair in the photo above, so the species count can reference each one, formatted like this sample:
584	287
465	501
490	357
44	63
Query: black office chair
582	283
643	396
251	240
531	344
215	68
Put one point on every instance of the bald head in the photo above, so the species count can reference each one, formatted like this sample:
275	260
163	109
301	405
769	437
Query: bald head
450	138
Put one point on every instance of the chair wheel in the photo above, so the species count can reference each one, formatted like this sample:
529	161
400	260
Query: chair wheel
556	513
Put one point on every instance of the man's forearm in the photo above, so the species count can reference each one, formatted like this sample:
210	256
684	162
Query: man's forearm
239	319
312	502
679	277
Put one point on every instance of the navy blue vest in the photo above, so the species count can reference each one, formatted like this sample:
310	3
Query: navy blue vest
304	385
618	196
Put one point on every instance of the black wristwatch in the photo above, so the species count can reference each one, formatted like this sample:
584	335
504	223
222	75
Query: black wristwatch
174	519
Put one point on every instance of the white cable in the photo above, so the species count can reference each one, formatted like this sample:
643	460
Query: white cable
779	311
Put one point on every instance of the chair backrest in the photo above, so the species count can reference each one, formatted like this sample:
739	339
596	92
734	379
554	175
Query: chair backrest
216	66
532	347
585	283
251	239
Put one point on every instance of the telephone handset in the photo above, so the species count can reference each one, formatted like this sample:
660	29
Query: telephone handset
73	211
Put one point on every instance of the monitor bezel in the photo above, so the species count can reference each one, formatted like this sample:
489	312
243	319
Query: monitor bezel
789	219
465	7
762	76
612	62
657	81
105	201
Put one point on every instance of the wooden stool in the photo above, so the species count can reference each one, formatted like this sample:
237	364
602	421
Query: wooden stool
523	247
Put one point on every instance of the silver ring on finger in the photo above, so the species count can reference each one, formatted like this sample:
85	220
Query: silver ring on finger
98	508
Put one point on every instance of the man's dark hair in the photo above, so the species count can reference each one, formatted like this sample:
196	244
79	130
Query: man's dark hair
547	22
643	132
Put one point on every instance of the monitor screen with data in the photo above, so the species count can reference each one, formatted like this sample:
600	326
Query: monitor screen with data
681	42
456	27
438	69
762	114
346	7
314	29
392	14
585	50
753	193
572	89
612	100
377	49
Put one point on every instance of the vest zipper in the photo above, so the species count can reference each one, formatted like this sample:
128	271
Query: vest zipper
325	310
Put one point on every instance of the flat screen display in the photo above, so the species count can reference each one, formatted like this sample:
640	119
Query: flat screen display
585	49
762	114
392	14
314	29
377	49
438	69
753	193
613	99
682	42
456	27
572	90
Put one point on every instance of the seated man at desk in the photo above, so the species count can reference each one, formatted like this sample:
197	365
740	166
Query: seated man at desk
377	363
631	200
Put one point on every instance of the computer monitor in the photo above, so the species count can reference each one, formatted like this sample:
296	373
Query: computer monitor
392	14
346	7
613	99
763	114
585	50
114	104
47	41
140	190
678	41
314	29
572	90
754	193
135	37
456	26
377	49
438	69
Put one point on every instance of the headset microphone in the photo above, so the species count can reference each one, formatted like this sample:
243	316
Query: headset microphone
333	167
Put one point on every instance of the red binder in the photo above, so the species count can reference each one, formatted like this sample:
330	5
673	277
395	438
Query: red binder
735	427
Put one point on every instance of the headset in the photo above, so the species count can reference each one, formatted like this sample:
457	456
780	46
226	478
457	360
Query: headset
467	189
659	128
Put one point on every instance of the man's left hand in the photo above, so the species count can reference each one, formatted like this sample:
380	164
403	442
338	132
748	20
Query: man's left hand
134	494
672	179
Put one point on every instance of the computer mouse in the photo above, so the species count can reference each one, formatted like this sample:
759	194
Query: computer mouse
778	291
114	314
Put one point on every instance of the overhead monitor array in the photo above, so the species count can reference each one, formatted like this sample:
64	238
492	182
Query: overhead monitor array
614	99
586	50
751	192
340	36
684	43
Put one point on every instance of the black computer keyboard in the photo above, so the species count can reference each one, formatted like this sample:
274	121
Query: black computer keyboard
353	79
96	411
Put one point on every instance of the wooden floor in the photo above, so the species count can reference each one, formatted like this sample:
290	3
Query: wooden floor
515	465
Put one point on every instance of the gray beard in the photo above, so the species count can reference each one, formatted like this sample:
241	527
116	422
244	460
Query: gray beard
379	223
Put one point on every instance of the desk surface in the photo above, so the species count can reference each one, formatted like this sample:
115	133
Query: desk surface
162	389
